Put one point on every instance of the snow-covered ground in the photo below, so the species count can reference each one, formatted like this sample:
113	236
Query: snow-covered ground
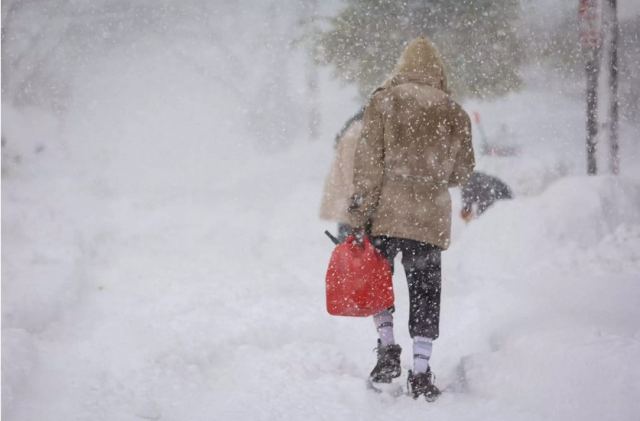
204	300
156	264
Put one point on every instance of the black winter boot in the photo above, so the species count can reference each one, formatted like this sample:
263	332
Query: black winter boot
388	366
422	384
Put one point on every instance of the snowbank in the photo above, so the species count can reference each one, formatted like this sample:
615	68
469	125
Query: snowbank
546	292
570	217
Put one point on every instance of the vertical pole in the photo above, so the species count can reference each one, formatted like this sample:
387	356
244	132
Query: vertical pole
614	162
593	70
591	41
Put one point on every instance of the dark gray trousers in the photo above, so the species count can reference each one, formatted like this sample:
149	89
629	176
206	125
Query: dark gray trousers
421	262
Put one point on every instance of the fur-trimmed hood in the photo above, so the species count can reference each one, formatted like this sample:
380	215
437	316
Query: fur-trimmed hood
420	62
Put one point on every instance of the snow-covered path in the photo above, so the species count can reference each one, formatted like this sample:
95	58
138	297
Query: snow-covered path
209	305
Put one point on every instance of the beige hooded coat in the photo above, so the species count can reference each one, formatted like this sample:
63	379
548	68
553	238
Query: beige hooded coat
338	187
415	144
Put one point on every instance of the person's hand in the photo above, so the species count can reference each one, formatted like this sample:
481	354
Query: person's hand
466	215
355	203
358	233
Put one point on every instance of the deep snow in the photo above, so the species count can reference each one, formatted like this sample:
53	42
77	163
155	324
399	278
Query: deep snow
158	264
207	302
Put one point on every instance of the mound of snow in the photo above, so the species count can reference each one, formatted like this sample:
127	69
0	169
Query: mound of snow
544	290
573	214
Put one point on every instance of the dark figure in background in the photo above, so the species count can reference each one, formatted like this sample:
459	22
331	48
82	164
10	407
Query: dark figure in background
338	187
482	190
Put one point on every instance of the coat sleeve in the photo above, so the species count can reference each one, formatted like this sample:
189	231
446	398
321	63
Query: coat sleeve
368	168
465	160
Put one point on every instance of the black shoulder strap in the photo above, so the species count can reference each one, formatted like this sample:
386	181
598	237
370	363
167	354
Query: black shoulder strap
356	117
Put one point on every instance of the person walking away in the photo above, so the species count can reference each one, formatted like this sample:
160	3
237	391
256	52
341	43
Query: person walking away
338	186
415	145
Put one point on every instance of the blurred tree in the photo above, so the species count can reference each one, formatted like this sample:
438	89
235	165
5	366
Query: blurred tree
477	39
312	84
28	49
48	46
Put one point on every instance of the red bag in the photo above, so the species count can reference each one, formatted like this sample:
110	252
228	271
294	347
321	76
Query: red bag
358	280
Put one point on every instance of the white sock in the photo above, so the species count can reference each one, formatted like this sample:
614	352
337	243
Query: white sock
422	348
384	325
